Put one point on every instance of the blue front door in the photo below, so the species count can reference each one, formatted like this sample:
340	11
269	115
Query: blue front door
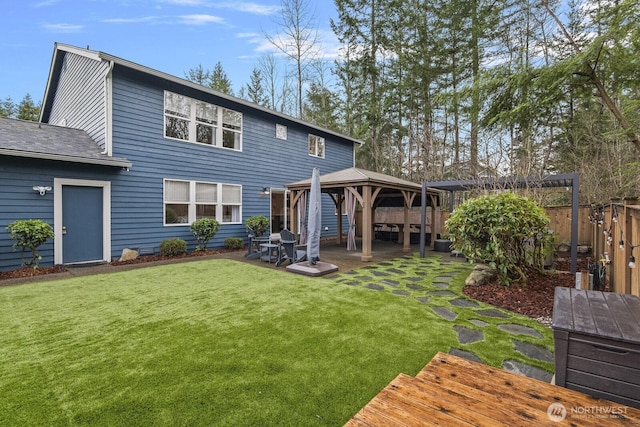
82	224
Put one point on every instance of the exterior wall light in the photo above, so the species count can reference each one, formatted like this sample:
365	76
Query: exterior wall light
265	190
41	189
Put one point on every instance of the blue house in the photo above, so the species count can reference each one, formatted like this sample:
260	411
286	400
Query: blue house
126	156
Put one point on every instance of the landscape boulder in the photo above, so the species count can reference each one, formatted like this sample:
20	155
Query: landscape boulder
480	275
128	255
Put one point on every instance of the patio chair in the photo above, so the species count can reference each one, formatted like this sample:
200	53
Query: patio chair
253	251
289	250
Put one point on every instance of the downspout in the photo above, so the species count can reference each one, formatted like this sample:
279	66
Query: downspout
107	110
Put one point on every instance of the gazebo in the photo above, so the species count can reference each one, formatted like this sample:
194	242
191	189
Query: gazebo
370	190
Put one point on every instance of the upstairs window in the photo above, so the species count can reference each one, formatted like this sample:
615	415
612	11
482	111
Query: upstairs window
191	120
316	146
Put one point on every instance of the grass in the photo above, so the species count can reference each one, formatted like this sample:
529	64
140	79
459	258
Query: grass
217	342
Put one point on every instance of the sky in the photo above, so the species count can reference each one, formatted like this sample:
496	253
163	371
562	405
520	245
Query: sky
172	36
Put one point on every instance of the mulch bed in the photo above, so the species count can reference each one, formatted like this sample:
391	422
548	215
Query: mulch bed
149	258
31	272
536	298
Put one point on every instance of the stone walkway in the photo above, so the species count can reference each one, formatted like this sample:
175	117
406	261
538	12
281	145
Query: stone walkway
427	280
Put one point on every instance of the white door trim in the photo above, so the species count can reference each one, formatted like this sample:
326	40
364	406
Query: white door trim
58	183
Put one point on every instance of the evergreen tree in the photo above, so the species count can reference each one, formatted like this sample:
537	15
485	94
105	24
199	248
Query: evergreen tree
28	110
199	75
255	92
219	80
7	108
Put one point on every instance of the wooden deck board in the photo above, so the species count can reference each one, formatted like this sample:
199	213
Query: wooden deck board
454	391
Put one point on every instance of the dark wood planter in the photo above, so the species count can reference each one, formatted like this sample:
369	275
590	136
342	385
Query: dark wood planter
442	245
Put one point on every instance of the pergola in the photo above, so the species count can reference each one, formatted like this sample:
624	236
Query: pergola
550	181
371	190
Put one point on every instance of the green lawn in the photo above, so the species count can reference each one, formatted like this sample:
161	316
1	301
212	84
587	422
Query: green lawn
215	342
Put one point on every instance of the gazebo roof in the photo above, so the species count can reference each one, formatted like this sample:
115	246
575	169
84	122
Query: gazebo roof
356	177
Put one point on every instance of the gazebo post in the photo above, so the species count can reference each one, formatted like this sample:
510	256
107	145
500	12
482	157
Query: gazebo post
406	238
434	203
339	204
367	224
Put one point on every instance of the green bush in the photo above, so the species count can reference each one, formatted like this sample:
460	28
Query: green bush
203	230
173	247
258	224
233	243
30	234
506	230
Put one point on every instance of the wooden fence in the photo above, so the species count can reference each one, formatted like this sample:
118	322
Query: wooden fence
615	231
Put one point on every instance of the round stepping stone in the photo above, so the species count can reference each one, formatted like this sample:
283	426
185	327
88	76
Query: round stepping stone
390	283
414	279
441	285
416	287
395	271
520	330
423	300
479	323
352	283
526	370
374	286
384	263
442	278
362	277
465	355
445	312
492	313
533	351
400	292
442	293
467	335
463	302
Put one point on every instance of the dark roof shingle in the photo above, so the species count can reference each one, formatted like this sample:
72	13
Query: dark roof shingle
22	138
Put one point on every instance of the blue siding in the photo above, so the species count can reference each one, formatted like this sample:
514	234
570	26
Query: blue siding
20	201
138	135
265	161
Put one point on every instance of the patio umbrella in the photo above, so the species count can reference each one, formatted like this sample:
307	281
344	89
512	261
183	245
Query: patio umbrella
302	212
314	219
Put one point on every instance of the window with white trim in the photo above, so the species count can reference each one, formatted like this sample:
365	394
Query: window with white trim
188	119
187	201
316	146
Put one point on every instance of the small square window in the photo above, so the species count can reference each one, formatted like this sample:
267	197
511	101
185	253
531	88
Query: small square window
281	132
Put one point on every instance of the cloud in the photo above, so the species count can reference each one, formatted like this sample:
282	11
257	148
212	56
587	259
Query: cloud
64	28
200	19
45	3
130	20
247	7
186	2
255	8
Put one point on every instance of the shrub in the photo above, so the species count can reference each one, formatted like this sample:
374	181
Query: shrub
233	243
506	230
203	230
257	224
30	234
173	247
